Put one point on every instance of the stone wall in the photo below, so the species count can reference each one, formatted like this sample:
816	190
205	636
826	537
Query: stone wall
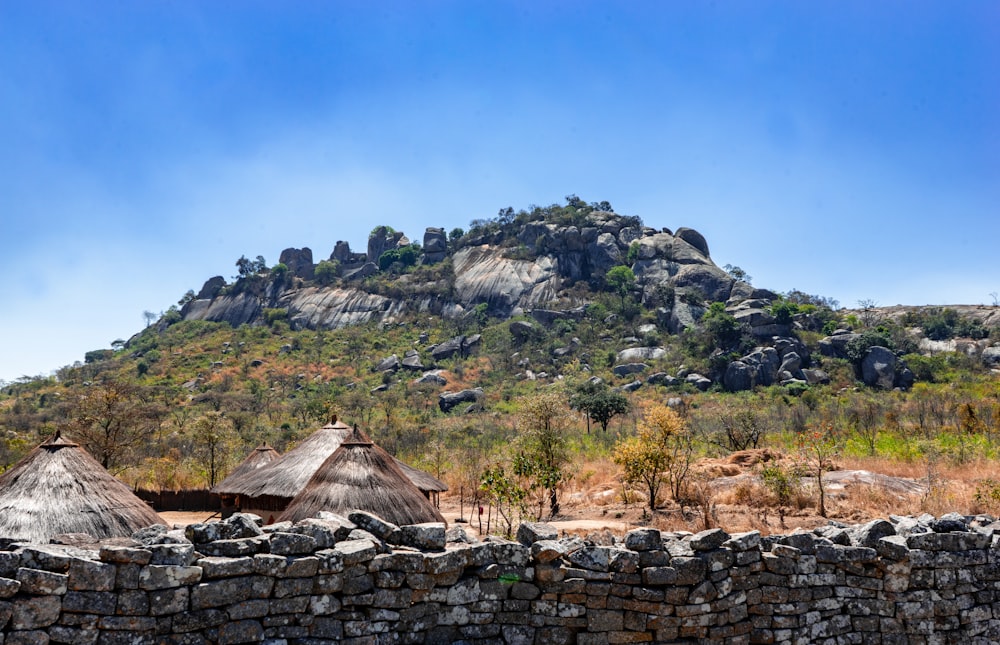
360	580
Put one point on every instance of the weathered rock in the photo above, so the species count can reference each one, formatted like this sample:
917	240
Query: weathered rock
433	378
299	262
435	240
388	364
629	368
530	532
630	387
448	348
521	330
430	536
878	368
639	354
738	377
694	238
448	400
661	378
643	539
816	377
699	381
412	362
211	288
836	345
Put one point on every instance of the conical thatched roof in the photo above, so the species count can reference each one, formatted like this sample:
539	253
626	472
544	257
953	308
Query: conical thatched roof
59	488
422	480
362	476
289	473
259	457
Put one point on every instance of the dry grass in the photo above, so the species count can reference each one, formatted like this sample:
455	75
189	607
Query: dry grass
596	493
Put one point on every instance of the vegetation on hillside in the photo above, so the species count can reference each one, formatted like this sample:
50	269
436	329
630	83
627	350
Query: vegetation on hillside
182	402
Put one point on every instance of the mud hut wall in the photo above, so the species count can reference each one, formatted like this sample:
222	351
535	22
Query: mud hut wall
282	587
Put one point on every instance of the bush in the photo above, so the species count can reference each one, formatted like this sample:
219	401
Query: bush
327	271
781	483
272	316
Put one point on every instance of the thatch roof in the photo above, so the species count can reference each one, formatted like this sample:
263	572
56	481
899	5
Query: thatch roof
259	457
59	488
287	475
362	476
422	480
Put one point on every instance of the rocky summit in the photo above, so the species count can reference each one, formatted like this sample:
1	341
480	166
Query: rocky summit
514	268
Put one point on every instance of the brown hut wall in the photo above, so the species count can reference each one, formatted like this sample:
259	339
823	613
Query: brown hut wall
181	500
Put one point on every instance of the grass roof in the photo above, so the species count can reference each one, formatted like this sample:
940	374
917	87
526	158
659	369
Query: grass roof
259	457
59	488
360	475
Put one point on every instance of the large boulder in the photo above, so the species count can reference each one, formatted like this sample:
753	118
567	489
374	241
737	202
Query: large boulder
435	245
342	252
712	281
629	368
878	368
211	288
411	361
694	238
738	377
636	354
448	348
299	262
521	330
382	239
448	400
683	316
603	253
388	364
836	344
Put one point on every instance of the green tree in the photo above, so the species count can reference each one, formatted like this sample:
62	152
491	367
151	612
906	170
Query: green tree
621	280
599	402
327	271
212	436
543	453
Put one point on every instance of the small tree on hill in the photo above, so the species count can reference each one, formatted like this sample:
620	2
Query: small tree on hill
599	402
621	280
543	451
659	454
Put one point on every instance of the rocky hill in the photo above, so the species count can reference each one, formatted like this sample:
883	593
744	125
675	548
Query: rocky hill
527	263
552	263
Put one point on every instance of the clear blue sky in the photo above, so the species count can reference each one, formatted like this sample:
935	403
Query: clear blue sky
848	149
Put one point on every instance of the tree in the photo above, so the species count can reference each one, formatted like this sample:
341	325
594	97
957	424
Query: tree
737	273
108	421
599	402
621	280
819	448
327	271
659	454
543	451
150	317
870	317
212	433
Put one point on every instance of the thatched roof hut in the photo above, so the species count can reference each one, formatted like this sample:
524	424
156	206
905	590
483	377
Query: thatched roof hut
259	457
362	476
59	488
271	488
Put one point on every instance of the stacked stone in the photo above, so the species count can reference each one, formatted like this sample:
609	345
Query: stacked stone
362	580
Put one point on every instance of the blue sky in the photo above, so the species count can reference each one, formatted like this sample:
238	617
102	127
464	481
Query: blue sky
848	149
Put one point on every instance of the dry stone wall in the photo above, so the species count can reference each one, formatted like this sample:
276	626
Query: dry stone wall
361	580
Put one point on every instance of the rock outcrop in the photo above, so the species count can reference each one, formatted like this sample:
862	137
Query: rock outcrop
484	270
